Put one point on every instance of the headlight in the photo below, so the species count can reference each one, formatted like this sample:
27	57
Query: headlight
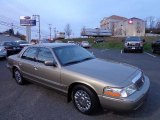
120	92
141	44
126	44
3	50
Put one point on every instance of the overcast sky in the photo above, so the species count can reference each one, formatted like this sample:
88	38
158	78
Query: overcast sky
77	13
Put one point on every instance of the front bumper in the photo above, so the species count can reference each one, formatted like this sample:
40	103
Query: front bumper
132	102
3	54
133	48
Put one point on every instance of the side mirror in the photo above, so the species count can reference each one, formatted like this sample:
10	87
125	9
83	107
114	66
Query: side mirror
50	63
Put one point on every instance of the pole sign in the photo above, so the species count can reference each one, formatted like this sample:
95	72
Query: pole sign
27	21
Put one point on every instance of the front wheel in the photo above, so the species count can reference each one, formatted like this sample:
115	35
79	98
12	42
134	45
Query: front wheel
85	100
18	77
141	51
124	50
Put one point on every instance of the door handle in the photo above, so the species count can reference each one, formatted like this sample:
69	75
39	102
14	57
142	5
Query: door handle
35	68
19	63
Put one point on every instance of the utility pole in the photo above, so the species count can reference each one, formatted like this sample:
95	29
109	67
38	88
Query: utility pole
55	32
39	25
50	28
12	25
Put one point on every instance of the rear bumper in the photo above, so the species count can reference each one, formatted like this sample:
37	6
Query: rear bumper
156	48
132	102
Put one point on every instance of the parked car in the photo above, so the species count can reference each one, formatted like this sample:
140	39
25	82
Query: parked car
71	42
99	40
58	41
156	46
85	44
11	47
3	52
133	43
88	81
22	43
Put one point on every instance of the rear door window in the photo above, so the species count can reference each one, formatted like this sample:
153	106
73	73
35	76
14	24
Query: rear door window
30	53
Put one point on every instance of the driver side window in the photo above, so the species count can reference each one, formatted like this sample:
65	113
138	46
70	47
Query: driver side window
30	53
44	54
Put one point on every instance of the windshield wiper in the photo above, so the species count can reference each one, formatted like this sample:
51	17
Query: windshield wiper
77	61
88	58
72	62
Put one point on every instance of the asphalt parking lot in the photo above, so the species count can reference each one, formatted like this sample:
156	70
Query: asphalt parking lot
34	102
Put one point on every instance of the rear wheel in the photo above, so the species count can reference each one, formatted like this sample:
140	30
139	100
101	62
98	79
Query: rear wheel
153	50
85	100
18	77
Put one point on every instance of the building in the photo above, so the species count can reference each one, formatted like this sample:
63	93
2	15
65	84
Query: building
97	32
121	26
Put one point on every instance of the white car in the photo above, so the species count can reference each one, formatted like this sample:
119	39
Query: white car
71	42
85	44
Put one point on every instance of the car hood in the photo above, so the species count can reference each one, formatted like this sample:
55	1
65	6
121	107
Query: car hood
110	72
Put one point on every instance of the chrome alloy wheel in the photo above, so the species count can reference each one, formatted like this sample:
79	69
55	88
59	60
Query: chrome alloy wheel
82	100
18	76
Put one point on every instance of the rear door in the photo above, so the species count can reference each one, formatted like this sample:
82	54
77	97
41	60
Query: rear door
27	62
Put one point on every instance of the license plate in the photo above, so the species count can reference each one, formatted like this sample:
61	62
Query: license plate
133	48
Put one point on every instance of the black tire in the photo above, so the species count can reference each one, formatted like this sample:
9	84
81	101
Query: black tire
124	50
153	50
18	77
141	51
85	100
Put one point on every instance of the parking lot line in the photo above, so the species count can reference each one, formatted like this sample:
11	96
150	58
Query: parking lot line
121	51
104	50
150	54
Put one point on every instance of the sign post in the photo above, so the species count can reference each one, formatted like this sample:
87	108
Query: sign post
28	22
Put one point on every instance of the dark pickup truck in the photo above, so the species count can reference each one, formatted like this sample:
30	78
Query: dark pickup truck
133	43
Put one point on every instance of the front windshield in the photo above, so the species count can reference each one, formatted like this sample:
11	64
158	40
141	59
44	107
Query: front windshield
72	54
133	39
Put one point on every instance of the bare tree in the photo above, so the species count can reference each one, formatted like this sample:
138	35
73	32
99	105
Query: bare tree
68	30
151	21
83	31
146	23
157	23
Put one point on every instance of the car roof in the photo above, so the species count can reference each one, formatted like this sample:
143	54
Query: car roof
52	45
20	41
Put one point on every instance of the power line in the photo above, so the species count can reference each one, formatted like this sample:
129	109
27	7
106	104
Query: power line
11	23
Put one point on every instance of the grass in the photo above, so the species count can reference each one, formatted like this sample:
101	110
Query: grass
109	45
